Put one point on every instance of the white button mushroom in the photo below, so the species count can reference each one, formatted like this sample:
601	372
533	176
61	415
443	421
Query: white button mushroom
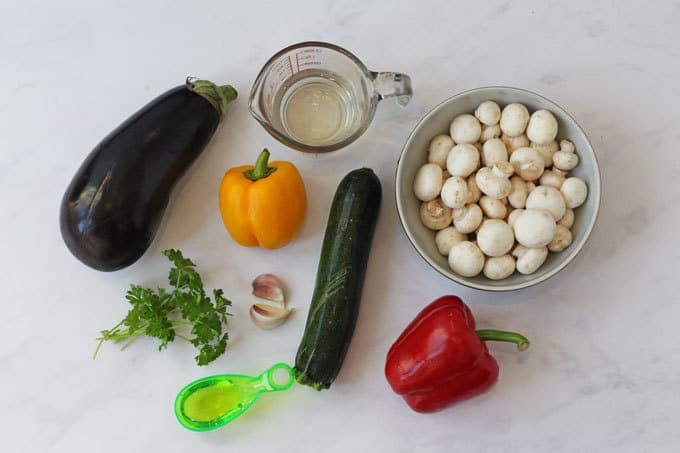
552	178
435	215
567	146
518	250
484	219
519	193
439	150
546	151
494	182
454	192
494	151
565	159
499	267
465	129
514	143
535	227
468	218
548	198
561	241
512	217
542	127
514	119
474	194
488	113
492	208
463	160
529	259
466	259
428	182
489	132
503	169
559	172
447	238
574	191
528	163
495	237
567	219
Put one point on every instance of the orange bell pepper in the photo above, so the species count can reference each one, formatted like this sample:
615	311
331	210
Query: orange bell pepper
263	205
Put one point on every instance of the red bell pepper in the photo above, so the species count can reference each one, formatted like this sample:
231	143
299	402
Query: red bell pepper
440	360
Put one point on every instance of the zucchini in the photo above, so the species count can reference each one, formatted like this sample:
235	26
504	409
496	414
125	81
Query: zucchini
339	279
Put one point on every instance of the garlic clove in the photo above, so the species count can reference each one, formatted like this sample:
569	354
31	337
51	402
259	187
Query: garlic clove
269	287
267	316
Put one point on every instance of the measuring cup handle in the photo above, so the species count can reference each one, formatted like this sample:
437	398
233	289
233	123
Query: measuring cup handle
392	85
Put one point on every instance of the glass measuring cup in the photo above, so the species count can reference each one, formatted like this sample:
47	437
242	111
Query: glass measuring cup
318	97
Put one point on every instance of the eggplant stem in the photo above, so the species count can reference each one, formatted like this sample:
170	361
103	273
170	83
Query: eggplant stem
218	96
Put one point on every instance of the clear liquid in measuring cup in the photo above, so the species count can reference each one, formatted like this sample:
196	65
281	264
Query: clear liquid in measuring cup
317	107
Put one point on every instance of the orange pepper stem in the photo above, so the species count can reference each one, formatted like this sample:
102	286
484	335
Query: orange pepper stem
261	169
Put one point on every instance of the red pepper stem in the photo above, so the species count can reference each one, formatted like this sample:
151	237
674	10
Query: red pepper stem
261	169
501	335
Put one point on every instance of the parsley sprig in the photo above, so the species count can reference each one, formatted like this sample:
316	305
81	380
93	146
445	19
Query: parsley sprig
163	314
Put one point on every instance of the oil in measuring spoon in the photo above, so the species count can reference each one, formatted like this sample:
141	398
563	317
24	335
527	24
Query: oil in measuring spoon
318	109
210	403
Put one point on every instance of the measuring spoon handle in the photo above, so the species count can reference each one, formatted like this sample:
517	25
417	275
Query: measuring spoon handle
269	381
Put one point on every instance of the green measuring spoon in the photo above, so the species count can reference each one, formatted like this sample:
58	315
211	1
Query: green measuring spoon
211	402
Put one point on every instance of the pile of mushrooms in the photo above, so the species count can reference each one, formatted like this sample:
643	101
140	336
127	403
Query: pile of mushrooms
498	192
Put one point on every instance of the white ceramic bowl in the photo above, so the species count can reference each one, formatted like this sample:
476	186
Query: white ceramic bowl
437	122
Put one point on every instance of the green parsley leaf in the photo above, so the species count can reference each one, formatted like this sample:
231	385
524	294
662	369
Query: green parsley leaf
161	314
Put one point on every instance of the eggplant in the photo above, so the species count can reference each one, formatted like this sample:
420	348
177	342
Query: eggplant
113	206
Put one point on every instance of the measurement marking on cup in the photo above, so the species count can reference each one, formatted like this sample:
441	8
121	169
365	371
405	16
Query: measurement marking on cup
290	64
283	69
307	59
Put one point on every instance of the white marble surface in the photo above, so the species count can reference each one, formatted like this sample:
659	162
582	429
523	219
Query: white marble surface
603	372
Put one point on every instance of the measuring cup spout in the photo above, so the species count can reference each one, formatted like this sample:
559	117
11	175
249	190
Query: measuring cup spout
393	85
254	103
